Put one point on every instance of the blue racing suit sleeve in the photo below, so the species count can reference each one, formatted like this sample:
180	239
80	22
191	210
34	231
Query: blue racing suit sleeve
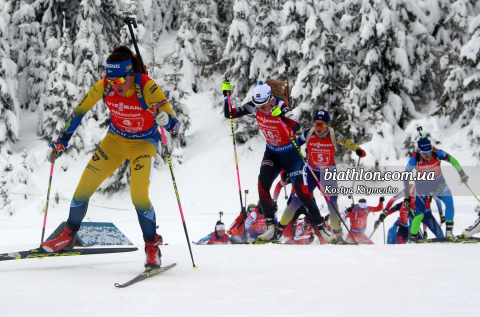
205	240
302	138
237	112
72	124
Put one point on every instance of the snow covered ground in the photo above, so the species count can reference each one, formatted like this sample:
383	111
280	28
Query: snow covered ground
232	280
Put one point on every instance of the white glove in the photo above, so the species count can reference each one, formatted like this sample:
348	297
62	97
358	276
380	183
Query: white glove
162	118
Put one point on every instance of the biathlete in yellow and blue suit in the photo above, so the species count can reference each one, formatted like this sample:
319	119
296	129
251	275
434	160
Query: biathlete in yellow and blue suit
137	107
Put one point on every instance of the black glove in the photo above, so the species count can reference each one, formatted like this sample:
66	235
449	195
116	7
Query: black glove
382	199
275	205
383	215
406	201
327	217
442	219
360	152
463	176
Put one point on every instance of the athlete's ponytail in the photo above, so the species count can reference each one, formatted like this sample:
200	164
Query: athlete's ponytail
123	53
278	89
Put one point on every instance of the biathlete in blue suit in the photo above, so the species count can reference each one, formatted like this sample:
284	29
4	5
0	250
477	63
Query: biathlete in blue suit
428	159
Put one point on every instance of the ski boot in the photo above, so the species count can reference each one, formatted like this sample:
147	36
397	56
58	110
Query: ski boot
449	231
152	252
66	241
280	231
413	238
326	234
339	235
270	233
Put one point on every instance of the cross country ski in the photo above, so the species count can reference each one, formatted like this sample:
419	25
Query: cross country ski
146	274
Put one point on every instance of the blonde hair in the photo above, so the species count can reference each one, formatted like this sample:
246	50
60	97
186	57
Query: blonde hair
279	89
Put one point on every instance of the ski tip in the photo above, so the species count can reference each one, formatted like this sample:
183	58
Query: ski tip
118	285
195	267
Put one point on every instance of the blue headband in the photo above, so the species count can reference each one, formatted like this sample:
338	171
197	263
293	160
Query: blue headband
119	69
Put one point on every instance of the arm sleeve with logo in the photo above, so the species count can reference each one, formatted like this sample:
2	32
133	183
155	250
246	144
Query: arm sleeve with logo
346	143
449	158
156	100
88	101
241	111
250	220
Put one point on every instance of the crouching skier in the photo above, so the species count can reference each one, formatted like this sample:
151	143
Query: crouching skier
280	153
133	100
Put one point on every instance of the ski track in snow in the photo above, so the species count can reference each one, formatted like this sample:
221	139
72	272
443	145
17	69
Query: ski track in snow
232	280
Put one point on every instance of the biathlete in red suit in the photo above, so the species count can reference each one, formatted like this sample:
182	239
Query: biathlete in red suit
272	114
249	227
358	216
321	143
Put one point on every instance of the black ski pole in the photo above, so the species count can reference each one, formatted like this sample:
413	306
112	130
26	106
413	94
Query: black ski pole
235	152
350	196
287	66
383	232
129	22
246	193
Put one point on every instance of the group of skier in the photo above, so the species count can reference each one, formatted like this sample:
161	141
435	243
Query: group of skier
270	107
138	108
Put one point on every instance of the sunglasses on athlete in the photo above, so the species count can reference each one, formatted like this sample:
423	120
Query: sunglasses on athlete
118	81
426	152
321	125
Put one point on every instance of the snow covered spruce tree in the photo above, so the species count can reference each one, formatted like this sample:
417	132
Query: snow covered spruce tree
27	46
61	93
392	45
453	34
237	59
459	105
175	94
162	16
200	41
9	109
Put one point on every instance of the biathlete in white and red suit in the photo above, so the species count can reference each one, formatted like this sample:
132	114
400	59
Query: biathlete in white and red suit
358	216
406	216
280	153
321	145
